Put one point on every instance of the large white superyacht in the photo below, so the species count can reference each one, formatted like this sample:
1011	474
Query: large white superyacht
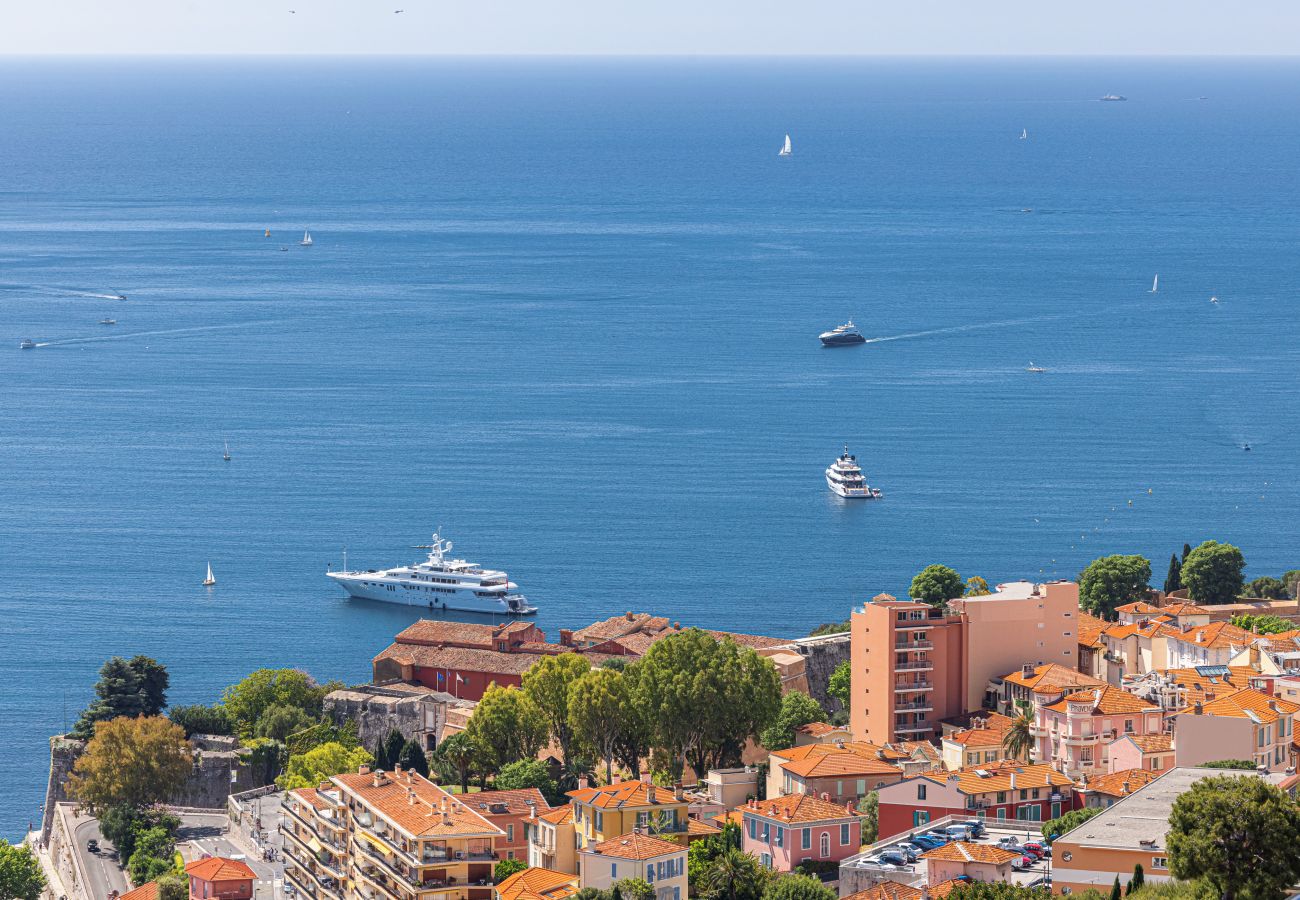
845	478
439	582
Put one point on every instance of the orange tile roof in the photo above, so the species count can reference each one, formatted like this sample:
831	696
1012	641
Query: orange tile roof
559	814
944	888
998	777
635	846
625	794
1122	783
697	826
1246	704
218	868
963	851
1238	677
1141	607
888	890
146	891
535	883
415	804
841	763
732	817
1107	701
310	796
1053	674
1090	629
819	729
515	802
1184	608
982	737
797	808
1151	743
1217	636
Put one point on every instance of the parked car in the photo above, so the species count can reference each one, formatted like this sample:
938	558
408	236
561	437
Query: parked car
976	826
958	832
1040	849
1022	863
939	835
892	858
1008	841
911	851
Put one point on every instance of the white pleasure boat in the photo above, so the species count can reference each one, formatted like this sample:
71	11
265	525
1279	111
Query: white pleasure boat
842	335
845	478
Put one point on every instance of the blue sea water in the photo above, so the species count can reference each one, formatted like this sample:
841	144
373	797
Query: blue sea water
567	310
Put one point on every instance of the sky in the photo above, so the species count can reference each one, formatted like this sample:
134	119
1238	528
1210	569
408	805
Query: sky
619	27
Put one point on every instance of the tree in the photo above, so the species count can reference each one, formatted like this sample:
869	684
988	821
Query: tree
701	854
457	758
936	585
977	587
734	875
393	745
1174	578
831	628
123	825
153	855
280	721
1139	878
246	701
1113	581
797	887
632	889
869	817
1291	578
319	763
173	887
547	683
1244	765
1018	739
131	762
200	719
1187	551
797	709
507	867
1238	833
526	773
134	687
508	726
21	877
840	683
1265	624
1116	892
1004	890
1054	828
1212	573
413	759
596	701
1266	588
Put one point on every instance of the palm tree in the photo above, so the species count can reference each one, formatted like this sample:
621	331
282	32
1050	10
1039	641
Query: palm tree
735	875
1018	740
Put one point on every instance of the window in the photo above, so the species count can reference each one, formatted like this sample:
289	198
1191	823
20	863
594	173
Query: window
643	819
1128	726
862	786
920	817
510	833
600	820
805	842
780	836
1155	764
753	829
1159	862
650	873
844	835
1035	793
1002	796
766	860
613	870
826	845
510	854
920	792
839	789
767	832
1024	794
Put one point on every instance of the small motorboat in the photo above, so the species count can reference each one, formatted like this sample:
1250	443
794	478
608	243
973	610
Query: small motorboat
1033	368
1246	447
27	344
108	321
284	249
117	297
842	335
226	454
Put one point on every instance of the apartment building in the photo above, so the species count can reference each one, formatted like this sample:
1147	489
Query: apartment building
1245	724
552	840
1007	791
1031	686
660	863
613	810
1150	753
1175	689
1216	644
786	831
845	772
981	744
1073	732
1107	790
509	811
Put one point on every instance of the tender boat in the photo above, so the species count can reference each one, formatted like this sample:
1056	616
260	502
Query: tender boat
108	321
1033	368
842	335
845	478
1113	98
785	148
439	582
306	239
226	454
27	344
117	297
1024	134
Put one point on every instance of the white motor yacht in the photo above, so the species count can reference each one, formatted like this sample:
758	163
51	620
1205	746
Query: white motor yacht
842	335
845	478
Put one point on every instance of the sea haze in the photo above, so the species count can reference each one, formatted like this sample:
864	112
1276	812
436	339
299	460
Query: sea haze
567	310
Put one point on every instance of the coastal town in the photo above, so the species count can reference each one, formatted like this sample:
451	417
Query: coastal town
1079	738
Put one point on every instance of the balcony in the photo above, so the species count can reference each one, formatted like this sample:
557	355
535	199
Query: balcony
915	706
912	729
1038	731
913	645
318	859
918	665
312	822
378	884
301	883
1080	740
909	686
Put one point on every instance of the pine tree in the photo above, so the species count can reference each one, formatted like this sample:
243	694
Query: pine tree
1174	580
1137	880
1116	892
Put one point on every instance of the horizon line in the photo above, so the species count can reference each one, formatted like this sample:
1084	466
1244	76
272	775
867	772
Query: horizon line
638	55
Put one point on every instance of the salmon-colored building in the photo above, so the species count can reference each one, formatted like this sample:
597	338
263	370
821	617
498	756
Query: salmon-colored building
786	831
1003	792
1074	732
218	878
914	664
509	811
969	862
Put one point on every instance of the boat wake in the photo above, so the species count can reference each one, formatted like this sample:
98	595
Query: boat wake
121	336
958	329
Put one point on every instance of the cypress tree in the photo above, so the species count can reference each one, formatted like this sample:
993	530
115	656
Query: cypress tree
413	758
1116	892
1138	879
393	745
1174	580
382	762
1187	549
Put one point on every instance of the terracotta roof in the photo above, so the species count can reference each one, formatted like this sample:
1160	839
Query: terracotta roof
1246	704
896	752
473	659
944	888
516	802
1053	674
438	631
1151	743
1106	701
1158	627
218	868
1090	629
840	762
696	826
820	729
146	891
1237	678
887	890
1282	641
415	804
310	796
618	626
624	794
533	883
559	814
997	777
1123	783
1217	636
796	809
1184	608
962	851
990	736
635	846
733	817
1140	607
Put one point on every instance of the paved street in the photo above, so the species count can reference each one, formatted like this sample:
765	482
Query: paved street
101	867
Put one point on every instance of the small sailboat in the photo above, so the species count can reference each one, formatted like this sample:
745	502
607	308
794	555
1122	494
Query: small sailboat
268	233
1155	285
306	239
1024	134
785	148
209	581
1214	300
1033	368
226	455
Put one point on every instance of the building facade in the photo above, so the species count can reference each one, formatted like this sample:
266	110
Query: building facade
787	831
1006	792
660	863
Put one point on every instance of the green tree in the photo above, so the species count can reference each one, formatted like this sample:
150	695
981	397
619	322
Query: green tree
1174	578
869	817
457	758
279	721
122	825
1004	890
505	868
797	709
1265	624
977	587
1266	588
1139	878
797	887
936	585
134	687
173	887
632	735
1238	833
1212	573
526	773
1113	581
1244	765
200	719
831	628
1116	892
246	701
413	759
632	889
1187	551
508	725
734	875
393	745
153	855
596	701
131	762
1291	578
1054	828
547	683
1018	739
21	877
319	763
841	683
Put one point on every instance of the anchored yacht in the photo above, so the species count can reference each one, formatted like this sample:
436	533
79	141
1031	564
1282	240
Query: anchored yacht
845	478
439	582
842	335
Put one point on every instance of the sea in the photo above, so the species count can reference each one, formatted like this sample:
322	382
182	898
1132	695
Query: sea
566	311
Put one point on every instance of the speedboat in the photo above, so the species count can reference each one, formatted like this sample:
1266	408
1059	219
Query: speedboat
845	478
842	335
27	344
117	297
1246	447
1033	368
108	321
1113	98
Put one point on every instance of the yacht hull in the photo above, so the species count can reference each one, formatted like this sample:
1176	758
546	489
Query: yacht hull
848	493
375	586
842	340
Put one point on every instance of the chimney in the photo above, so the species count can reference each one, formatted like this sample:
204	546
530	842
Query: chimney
582	782
629	615
679	793
1013	781
1123	788
1027	670
849	808
378	779
617	778
826	796
645	777
1272	704
397	768
532	810
1197	709
650	794
839	743
363	769
410	798
566	637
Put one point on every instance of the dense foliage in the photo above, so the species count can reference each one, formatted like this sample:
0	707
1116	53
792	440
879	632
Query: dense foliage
1244	765
200	719
21	877
507	725
505	868
797	709
1113	581
131	762
122	826
528	773
936	584
797	887
1266	588
998	890
319	763
830	628
1054	828
977	587
268	691
1174	577
598	708
154	854
126	687
459	758
548	683
1212	573
1018	739
1265	624
840	683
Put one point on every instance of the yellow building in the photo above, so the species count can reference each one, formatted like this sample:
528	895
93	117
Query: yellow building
551	841
613	810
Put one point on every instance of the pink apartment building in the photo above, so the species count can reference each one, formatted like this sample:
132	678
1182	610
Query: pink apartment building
786	831
1072	734
1246	724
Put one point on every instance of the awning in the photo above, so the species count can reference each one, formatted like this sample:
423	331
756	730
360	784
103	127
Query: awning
315	846
376	843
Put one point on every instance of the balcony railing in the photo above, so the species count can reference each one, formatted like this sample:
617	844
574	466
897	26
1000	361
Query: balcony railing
313	821
915	706
914	645
919	665
908	729
301	883
914	686
324	863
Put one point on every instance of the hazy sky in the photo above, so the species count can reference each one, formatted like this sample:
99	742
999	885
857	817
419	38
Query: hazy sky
652	26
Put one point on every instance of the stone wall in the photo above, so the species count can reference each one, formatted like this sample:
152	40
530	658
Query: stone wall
63	753
418	712
61	841
821	656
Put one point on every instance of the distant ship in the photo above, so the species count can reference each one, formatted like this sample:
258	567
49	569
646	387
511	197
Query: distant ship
27	344
209	581
844	477
108	321
1024	134
1112	98
1033	368
842	335
785	148
1155	285
439	582
306	239
117	296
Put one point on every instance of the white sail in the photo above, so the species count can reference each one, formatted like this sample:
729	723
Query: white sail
306	239
209	580
785	148
1024	133
1155	284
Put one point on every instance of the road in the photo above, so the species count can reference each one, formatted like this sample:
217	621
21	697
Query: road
102	873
